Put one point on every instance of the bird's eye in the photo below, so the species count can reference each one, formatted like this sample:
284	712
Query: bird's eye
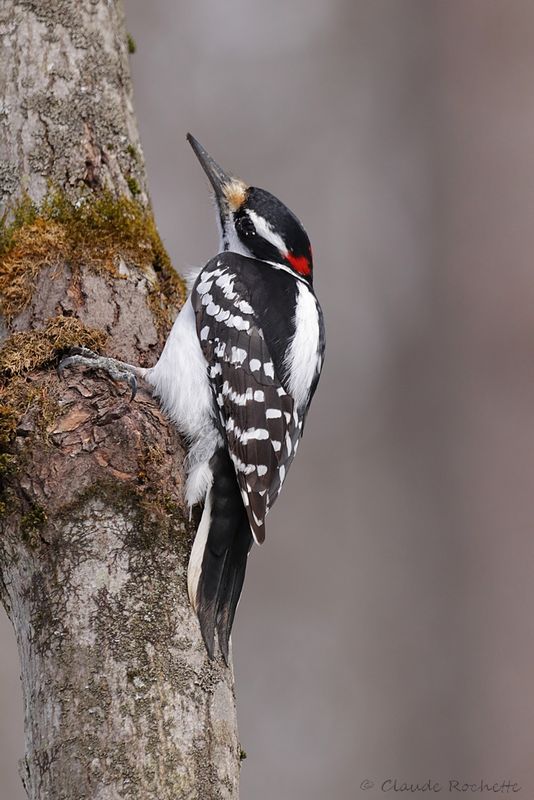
247	227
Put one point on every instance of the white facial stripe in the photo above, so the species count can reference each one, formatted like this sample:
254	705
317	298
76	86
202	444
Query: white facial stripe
264	230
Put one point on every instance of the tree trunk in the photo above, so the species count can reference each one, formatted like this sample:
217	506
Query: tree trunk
120	700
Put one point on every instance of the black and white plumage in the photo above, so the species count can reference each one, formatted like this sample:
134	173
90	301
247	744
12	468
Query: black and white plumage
237	375
249	370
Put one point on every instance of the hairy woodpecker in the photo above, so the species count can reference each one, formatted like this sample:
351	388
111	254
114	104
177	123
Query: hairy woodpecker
237	375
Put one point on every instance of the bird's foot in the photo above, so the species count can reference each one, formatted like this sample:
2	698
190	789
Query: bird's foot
117	370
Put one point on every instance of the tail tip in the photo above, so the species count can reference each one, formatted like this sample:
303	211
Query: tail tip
207	630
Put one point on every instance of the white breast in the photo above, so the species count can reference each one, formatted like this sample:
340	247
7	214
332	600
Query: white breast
180	376
303	359
180	380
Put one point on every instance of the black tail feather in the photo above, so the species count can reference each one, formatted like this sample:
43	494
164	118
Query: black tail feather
234	575
225	556
211	579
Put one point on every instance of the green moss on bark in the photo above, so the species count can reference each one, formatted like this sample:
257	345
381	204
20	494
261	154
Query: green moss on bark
16	397
99	230
29	350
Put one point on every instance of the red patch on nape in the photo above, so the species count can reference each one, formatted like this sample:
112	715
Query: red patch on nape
299	263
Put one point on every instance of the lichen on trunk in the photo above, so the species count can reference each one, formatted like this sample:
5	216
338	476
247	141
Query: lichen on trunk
120	700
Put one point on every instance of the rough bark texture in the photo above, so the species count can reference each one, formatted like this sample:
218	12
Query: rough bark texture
66	114
120	700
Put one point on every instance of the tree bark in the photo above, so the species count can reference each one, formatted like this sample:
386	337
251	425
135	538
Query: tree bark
120	700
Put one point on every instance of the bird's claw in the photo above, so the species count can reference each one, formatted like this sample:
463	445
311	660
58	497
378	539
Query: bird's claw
63	364
73	358
132	383
117	371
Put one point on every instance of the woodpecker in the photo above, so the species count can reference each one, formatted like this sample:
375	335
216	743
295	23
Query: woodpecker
237	376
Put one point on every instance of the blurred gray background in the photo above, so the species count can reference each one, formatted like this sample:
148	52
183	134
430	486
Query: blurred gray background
386	628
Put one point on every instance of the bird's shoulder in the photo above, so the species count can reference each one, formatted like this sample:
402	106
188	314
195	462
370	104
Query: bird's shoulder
234	290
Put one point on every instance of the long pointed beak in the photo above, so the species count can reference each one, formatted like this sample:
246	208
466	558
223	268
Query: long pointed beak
217	176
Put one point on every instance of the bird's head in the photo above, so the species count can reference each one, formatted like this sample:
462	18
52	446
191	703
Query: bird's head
254	222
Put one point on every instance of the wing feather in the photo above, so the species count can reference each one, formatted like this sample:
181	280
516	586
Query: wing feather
257	415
